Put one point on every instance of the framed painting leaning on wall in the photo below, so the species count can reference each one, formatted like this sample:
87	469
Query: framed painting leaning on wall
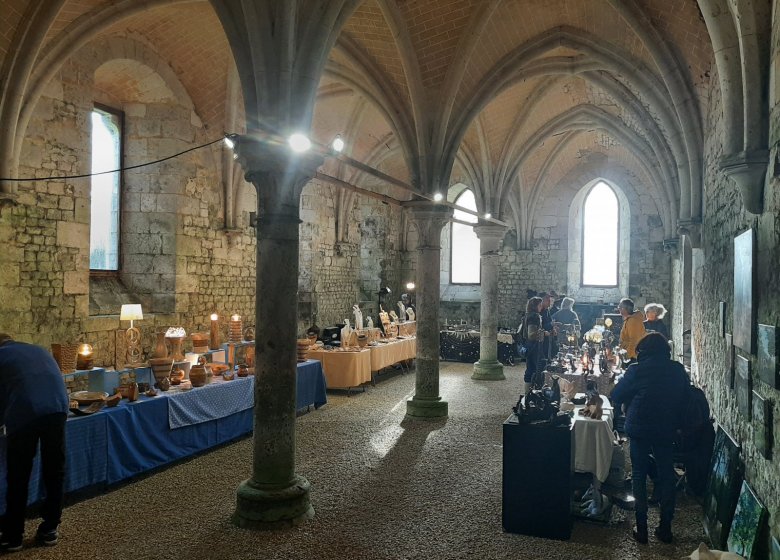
743	312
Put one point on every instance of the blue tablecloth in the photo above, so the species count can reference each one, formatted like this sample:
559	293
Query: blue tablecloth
118	443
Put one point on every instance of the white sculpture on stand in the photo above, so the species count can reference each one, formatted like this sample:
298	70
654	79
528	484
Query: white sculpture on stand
410	313
370	323
346	331
402	311
358	317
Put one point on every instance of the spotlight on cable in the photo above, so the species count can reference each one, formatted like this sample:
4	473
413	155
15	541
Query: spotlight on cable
299	143
230	140
488	215
438	197
337	144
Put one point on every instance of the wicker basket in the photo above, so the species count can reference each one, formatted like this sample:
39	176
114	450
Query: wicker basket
65	355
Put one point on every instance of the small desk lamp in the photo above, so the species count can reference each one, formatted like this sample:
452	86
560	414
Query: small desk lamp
132	312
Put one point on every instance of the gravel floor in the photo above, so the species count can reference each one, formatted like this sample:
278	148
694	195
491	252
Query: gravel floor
382	487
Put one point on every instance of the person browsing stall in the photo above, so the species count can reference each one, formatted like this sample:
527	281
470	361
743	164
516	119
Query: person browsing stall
532	336
633	327
653	393
33	408
654	314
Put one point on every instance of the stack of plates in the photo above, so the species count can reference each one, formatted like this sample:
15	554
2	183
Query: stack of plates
303	348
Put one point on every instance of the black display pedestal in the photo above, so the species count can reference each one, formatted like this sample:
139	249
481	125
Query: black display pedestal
537	480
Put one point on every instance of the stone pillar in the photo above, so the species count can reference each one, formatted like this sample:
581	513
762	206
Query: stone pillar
488	366
275	495
429	219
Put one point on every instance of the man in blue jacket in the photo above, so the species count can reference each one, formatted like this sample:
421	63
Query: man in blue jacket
33	408
654	393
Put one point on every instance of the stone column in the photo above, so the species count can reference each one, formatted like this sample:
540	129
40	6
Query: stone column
275	495
488	366
429	219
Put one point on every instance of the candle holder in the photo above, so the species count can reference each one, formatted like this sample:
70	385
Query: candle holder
132	312
214	332
236	329
84	359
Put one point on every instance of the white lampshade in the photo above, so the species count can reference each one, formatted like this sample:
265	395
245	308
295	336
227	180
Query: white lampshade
131	312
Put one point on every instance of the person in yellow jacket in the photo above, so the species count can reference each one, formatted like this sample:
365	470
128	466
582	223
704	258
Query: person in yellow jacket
633	327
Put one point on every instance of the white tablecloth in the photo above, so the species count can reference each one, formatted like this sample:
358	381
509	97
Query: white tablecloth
593	442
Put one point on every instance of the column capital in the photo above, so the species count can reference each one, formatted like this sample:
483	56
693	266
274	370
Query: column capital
490	236
748	171
692	230
277	173
428	218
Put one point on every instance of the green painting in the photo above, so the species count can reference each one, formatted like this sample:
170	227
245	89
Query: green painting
749	518
720	498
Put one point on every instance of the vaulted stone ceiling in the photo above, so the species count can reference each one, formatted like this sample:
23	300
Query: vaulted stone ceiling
506	95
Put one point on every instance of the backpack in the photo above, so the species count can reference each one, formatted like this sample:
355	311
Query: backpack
695	411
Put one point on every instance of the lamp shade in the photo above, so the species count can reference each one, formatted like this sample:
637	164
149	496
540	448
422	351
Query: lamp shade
131	312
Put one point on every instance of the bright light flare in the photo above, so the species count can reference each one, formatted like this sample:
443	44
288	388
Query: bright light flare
438	197
338	144
299	143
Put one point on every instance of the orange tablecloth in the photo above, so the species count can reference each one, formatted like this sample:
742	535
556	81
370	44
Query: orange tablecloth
344	369
408	328
385	355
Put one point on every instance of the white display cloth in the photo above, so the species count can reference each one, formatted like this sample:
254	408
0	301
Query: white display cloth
593	442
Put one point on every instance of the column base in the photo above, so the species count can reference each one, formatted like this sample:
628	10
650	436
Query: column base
488	370
280	508
426	407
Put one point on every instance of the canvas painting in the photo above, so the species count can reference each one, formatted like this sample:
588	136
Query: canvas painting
768	371
720	498
743	386
749	519
730	359
743	312
762	425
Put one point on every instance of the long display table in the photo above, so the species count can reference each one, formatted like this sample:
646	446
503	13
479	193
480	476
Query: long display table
118	443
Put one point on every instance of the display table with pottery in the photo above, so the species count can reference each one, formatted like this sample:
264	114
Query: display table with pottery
120	442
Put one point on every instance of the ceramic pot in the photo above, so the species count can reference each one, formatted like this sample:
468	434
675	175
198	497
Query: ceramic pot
164	384
160	349
362	340
176	351
243	370
177	376
161	367
198	375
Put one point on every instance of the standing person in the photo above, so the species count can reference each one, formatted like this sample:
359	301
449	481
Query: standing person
33	408
567	315
548	345
654	313
654	394
532	336
633	327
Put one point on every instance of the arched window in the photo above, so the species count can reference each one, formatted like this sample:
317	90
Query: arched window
600	224
105	195
464	256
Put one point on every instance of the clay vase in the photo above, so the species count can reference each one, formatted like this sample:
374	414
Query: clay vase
198	375
362	340
160	349
176	350
243	370
164	384
161	368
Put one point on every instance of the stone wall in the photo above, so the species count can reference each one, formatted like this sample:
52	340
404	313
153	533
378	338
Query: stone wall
724	219
177	259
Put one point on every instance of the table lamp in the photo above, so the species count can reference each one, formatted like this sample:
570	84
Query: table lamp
132	312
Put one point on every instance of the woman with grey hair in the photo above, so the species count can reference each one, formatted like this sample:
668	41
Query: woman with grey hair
566	315
654	312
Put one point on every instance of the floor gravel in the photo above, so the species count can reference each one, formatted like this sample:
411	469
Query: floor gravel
383	488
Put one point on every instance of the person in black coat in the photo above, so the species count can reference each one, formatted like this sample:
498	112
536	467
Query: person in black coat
33	408
654	393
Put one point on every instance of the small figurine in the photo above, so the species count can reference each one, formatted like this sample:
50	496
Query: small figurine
593	408
370	323
345	332
401	310
358	317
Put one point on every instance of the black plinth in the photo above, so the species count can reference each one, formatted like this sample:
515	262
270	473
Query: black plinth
537	480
